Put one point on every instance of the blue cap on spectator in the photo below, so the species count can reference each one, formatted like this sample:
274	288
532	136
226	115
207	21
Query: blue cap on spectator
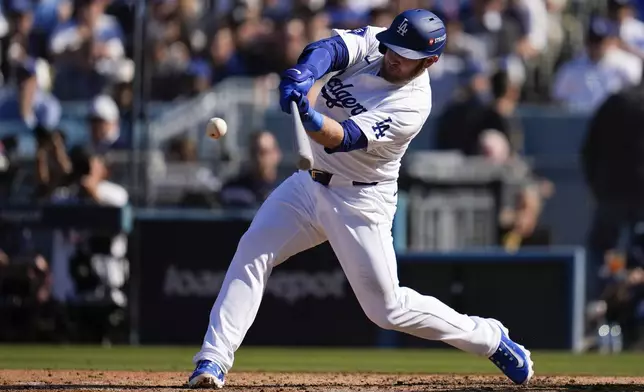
20	6
601	28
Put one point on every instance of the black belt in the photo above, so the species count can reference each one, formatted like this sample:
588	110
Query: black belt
324	178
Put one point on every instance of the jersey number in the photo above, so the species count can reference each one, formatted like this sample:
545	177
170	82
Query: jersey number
381	127
361	31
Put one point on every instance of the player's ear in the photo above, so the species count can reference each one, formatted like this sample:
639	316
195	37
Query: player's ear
430	60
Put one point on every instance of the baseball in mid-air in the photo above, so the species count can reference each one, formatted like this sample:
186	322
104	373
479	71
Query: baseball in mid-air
216	128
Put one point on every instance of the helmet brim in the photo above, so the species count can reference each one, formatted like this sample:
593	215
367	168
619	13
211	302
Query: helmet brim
406	53
385	38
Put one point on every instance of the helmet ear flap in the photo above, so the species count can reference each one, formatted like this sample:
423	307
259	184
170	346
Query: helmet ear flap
382	48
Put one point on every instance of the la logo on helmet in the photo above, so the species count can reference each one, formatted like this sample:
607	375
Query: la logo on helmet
402	27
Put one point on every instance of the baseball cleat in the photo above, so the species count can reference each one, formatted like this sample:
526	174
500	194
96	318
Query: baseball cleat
207	374
513	359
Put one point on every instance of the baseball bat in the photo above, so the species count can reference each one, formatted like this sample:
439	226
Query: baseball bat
304	153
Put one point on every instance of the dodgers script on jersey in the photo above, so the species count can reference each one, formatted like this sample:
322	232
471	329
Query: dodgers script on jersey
390	115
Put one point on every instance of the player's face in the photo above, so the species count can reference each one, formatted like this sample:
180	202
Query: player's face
398	69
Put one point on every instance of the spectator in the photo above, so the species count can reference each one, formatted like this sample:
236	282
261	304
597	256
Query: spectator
464	63
613	163
224	58
464	125
87	51
535	18
52	163
104	122
583	83
48	14
96	263
631	30
176	42
88	181
16	44
554	50
488	130
251	187
533	47
27	100
495	23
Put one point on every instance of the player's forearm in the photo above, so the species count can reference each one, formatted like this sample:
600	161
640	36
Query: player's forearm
329	135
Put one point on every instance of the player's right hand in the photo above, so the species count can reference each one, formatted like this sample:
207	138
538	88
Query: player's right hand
297	79
302	101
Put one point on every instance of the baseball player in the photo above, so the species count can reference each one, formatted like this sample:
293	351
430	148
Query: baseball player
365	116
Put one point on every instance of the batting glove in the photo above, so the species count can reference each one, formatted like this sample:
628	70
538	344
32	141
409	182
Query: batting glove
299	79
311	119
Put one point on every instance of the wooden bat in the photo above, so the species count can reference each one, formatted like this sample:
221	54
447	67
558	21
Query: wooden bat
304	153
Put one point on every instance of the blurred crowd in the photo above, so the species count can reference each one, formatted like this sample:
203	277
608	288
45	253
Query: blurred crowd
568	51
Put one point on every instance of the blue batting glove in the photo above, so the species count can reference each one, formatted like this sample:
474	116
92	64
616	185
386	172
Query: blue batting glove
302	101
311	119
299	79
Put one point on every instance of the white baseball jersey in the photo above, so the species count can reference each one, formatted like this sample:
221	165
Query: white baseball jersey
389	115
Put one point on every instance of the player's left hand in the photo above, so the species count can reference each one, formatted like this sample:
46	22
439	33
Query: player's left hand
297	79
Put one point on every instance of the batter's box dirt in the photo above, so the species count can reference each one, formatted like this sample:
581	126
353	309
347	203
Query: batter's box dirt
96	381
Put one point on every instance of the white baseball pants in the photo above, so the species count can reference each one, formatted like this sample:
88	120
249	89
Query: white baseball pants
356	220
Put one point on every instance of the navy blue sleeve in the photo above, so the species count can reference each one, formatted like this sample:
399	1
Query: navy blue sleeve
326	55
354	138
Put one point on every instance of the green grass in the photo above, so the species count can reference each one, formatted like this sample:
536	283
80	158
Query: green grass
308	360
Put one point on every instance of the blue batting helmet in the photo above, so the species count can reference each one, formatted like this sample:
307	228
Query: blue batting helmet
415	34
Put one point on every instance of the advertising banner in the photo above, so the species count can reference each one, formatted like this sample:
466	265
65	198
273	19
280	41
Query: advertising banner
309	302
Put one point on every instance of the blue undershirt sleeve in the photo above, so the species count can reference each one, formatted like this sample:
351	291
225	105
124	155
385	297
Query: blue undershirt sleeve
324	56
354	138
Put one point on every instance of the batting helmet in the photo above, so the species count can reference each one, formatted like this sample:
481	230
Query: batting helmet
414	34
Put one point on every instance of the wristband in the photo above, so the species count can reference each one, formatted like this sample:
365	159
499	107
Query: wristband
313	121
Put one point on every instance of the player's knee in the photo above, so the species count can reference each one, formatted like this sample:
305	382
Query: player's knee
386	317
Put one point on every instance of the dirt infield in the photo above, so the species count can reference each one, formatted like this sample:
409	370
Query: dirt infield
56	380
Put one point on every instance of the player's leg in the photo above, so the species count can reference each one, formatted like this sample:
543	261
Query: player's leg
360	233
282	227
